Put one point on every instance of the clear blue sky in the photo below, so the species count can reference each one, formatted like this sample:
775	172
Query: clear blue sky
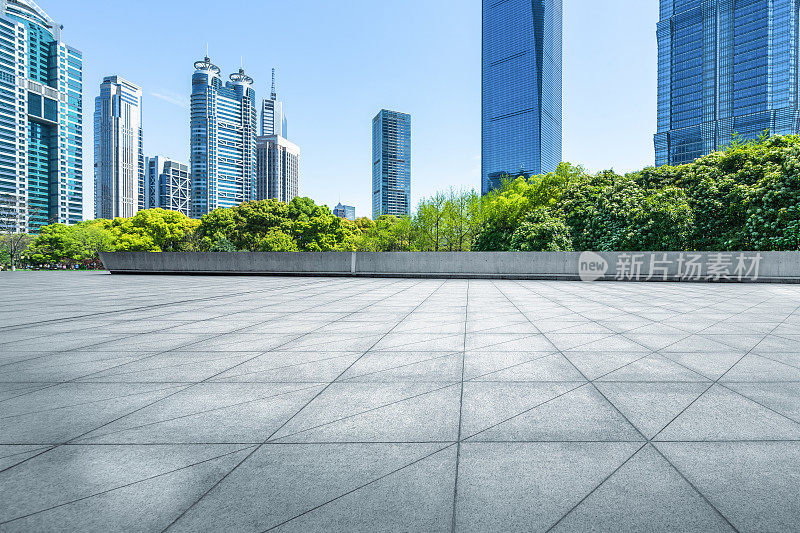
340	62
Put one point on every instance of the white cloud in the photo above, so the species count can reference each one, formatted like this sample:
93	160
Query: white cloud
173	98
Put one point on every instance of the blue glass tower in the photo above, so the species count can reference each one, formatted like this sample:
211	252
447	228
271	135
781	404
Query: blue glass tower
391	164
41	119
521	109
223	139
725	67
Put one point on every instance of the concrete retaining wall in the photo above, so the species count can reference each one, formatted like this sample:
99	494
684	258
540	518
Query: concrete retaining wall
587	266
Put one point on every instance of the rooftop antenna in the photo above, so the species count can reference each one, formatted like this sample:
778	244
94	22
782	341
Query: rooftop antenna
206	50
274	95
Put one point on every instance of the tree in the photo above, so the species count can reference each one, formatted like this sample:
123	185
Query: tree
542	232
154	230
504	210
90	239
277	241
13	247
54	245
13	224
429	220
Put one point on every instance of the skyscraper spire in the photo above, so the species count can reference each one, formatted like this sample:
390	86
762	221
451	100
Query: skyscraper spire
273	95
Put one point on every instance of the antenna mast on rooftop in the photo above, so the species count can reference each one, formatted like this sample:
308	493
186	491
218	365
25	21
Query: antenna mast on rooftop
274	95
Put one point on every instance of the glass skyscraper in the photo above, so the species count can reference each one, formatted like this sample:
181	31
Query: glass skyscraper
725	67
223	139
119	184
521	108
169	185
41	119
391	164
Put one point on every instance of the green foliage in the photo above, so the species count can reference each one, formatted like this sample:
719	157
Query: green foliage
13	247
505	209
542	232
746	197
447	222
273	226
53	245
154	230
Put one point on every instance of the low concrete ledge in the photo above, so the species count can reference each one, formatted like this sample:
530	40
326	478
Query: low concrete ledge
768	267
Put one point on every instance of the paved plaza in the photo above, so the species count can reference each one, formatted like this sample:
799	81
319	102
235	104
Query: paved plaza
134	403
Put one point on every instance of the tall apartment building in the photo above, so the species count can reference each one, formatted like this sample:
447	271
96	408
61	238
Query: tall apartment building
391	164
278	163
169	185
344	211
521	102
273	120
119	173
41	120
724	67
223	139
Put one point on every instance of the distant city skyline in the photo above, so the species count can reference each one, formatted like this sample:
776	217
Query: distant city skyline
333	85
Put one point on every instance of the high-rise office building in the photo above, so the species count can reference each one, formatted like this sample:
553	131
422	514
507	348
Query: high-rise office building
273	120
278	164
119	181
277	159
345	211
41	119
724	67
391	164
223	139
521	104
169	185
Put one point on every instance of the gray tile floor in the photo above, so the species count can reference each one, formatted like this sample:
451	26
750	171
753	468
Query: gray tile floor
253	404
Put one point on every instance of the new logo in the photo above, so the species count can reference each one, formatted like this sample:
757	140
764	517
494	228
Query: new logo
591	266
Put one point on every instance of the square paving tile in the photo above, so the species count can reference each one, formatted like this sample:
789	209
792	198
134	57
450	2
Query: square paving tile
333	404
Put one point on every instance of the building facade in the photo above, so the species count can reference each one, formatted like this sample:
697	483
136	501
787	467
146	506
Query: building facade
278	164
222	139
119	172
169	185
391	164
41	120
345	211
725	68
521	89
273	120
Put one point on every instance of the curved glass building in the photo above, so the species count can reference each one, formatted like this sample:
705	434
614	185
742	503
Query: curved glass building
223	139
725	67
521	108
41	120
